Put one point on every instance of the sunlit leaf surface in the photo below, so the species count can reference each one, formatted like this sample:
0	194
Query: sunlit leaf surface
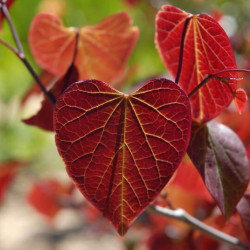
207	50
240	99
103	49
121	150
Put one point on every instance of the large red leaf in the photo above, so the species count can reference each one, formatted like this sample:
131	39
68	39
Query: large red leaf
220	157
207	50
103	49
121	150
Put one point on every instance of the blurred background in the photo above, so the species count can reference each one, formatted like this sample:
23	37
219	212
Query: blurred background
40	209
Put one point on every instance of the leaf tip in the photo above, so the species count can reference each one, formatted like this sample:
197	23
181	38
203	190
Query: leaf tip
240	99
122	229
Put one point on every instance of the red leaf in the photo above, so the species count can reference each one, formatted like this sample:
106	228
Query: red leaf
8	4
121	150
44	117
207	50
8	172
193	184
220	157
45	195
240	99
103	49
51	43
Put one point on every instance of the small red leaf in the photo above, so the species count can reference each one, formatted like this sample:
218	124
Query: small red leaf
44	117
240	99
220	157
121	150
103	49
207	50
45	195
8	172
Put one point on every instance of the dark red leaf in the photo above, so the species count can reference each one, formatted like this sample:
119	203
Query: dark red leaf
121	150
220	157
44	117
207	50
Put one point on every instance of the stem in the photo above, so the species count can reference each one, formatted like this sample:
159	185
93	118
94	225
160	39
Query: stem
14	50
70	69
182	48
49	95
13	30
182	215
209	77
19	52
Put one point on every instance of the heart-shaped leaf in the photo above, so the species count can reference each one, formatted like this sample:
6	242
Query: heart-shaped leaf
207	50
103	49
51	43
121	150
220	157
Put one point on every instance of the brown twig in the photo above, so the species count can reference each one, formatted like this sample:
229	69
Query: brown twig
182	215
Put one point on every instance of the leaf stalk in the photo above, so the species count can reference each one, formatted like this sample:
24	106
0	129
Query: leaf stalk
182	48
19	52
222	79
